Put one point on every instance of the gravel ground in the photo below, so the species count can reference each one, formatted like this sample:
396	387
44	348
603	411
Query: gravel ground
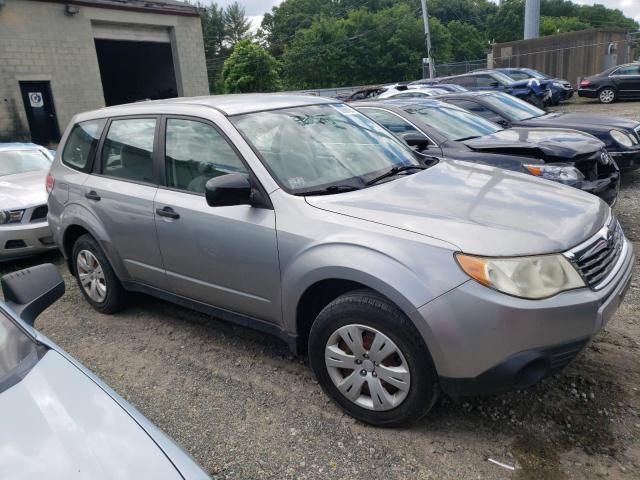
246	409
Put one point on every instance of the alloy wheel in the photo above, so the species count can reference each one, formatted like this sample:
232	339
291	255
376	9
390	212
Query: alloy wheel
91	276
367	367
607	95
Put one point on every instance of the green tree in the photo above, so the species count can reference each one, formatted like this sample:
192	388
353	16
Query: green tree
236	24
215	50
467	43
250	68
553	25
508	23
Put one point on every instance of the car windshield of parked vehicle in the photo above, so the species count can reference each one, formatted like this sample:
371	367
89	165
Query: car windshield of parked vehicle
18	353
13	162
320	147
454	123
513	108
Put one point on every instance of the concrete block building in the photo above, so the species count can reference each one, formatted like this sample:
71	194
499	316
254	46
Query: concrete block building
61	57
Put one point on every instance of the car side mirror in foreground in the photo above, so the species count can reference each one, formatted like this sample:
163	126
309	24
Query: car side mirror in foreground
228	190
30	291
416	140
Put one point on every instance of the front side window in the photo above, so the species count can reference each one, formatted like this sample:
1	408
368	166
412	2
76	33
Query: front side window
319	146
469	82
13	162
517	75
196	152
18	353
486	80
388	120
128	148
82	143
453	122
513	108
628	70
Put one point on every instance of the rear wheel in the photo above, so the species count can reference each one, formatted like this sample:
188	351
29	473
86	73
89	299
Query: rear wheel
96	279
607	95
369	357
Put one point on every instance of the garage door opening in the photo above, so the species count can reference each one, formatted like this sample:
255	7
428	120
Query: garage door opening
132	71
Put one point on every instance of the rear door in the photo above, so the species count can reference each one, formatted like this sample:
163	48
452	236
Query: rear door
226	257
627	81
120	192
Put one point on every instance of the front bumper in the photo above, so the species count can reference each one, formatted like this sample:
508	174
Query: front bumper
605	188
627	159
483	341
23	240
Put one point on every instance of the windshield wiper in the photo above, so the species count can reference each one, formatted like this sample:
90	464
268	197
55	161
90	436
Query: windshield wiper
468	138
329	190
394	171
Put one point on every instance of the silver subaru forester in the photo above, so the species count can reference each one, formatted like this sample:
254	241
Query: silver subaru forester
400	275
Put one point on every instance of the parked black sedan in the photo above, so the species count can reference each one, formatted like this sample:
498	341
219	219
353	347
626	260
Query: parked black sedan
621	136
442	130
616	83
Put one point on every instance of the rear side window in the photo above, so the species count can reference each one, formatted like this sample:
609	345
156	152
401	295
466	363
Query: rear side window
82	143
128	148
469	82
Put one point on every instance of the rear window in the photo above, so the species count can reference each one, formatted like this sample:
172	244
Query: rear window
82	144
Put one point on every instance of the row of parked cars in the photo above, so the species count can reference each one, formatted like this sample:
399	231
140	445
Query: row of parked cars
409	246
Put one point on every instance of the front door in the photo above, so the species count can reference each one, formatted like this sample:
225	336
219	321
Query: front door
41	114
627	81
223	256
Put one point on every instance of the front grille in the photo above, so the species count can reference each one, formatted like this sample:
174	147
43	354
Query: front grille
596	258
637	130
595	166
39	213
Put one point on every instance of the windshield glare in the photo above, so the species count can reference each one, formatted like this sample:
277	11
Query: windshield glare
453	122
21	161
319	146
513	108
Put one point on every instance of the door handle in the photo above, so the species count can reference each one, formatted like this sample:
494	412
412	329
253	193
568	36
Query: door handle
167	212
92	195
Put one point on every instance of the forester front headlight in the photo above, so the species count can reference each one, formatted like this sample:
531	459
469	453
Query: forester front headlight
11	216
536	277
624	139
558	172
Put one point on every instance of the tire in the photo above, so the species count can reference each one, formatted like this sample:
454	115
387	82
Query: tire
364	313
607	95
103	291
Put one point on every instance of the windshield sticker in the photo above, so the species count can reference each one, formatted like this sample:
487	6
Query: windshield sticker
296	182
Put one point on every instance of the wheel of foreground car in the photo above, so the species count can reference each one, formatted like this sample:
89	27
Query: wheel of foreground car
607	95
369	357
96	278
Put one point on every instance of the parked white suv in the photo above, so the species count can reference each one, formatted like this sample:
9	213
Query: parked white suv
301	217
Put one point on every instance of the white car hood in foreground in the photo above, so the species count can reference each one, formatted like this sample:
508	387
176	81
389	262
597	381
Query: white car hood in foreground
23	190
58	424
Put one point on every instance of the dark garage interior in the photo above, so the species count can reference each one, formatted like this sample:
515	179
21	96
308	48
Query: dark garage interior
133	71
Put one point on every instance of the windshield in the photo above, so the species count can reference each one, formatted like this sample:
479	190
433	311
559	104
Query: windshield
319	146
453	122
513	108
21	161
537	74
18	353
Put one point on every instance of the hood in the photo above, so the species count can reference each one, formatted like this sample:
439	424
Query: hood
582	120
482	210
23	190
537	142
57	423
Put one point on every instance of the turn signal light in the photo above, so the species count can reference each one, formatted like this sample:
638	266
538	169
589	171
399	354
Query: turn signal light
50	183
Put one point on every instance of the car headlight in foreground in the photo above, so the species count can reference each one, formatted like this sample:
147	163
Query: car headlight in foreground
535	277
623	138
11	216
558	172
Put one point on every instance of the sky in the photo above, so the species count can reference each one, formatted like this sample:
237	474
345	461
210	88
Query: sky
257	8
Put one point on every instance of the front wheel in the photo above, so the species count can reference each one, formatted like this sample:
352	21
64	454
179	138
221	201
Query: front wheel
607	95
371	360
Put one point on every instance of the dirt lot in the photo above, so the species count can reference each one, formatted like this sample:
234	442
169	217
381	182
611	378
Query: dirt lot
246	409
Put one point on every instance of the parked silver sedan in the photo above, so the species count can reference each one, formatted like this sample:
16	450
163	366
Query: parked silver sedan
24	229
58	420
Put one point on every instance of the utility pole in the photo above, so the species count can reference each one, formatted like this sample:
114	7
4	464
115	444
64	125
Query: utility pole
427	34
532	19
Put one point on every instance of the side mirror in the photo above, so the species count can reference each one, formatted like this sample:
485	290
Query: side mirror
228	190
30	291
417	140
